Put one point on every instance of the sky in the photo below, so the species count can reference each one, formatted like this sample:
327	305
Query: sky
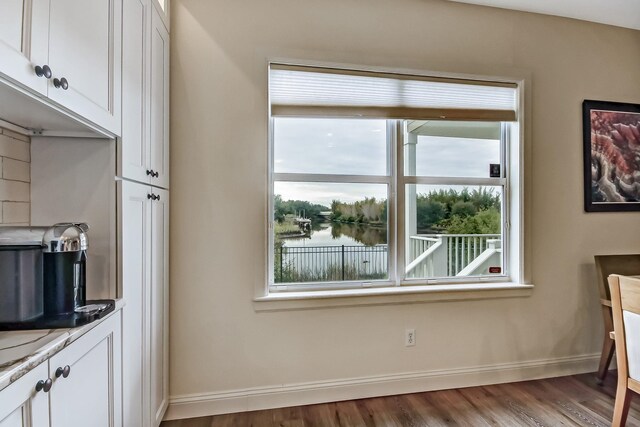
358	147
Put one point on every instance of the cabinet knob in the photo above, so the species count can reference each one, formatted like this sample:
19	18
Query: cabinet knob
149	172
61	83
64	372
156	174
43	71
150	196
158	197
44	385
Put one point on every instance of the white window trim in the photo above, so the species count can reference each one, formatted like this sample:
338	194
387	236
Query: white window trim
503	181
283	301
517	285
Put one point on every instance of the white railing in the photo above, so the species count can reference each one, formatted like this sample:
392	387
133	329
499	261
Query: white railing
447	255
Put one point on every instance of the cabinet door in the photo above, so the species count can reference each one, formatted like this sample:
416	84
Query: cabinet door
21	405
136	276
24	27
135	141
91	394
164	9
159	305
85	49
159	101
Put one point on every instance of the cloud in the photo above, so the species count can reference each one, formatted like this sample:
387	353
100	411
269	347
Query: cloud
359	147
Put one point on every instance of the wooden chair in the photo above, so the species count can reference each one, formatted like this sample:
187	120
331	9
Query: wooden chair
625	303
625	265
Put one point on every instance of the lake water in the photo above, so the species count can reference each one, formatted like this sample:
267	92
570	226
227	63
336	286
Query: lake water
335	234
333	252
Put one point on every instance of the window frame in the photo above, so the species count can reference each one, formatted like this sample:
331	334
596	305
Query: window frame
512	216
388	179
404	179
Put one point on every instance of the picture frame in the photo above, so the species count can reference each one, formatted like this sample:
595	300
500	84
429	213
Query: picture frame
611	137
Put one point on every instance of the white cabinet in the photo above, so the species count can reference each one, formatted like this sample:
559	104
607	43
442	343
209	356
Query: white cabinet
159	312
21	405
144	261
77	44
85	50
134	145
87	384
79	386
144	145
164	9
159	101
22	21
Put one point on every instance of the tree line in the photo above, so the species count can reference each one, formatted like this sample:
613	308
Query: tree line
282	208
440	211
459	212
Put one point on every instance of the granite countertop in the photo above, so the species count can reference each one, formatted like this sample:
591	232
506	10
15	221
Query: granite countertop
21	351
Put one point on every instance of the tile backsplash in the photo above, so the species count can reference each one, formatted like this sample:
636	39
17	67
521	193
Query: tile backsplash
15	178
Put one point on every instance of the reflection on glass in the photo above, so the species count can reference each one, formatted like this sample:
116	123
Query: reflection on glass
330	146
440	148
453	231
329	232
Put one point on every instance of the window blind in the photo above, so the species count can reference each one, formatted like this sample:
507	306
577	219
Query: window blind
330	92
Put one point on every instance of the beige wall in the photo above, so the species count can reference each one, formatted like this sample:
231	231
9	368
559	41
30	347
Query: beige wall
219	163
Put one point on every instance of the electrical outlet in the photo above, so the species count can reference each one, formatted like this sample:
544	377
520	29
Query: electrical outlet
409	337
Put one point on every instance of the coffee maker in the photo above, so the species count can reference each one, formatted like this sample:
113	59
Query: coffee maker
43	278
65	268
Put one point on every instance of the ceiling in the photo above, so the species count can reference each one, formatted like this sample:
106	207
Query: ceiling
621	13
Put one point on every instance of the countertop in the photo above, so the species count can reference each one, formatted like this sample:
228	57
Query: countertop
21	351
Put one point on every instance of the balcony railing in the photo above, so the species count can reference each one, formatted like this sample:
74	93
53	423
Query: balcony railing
330	263
429	255
447	255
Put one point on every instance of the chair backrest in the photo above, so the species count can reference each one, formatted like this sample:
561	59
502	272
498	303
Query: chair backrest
625	303
606	265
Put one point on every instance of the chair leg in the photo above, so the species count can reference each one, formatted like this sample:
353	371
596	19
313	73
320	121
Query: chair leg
621	408
608	346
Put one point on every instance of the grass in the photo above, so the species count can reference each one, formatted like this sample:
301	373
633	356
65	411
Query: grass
332	273
286	227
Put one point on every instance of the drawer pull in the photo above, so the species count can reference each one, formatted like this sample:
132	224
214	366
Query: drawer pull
44	385
61	83
64	372
43	71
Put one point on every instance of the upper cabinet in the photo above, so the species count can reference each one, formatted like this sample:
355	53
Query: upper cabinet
84	56
159	102
144	146
20	22
164	10
68	51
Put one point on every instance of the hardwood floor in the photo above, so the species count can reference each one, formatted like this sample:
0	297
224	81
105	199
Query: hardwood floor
563	401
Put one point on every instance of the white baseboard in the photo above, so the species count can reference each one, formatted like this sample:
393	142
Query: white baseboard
251	399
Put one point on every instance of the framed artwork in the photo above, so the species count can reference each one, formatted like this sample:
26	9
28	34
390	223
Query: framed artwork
611	133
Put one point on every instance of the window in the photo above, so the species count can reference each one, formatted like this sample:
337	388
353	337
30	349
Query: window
380	180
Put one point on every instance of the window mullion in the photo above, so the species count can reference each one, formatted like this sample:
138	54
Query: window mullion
400	203
354	179
451	180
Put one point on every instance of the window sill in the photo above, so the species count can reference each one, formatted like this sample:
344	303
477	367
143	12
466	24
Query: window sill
381	296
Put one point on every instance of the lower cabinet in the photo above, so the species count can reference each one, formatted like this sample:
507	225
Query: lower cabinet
79	386
21	405
144	218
